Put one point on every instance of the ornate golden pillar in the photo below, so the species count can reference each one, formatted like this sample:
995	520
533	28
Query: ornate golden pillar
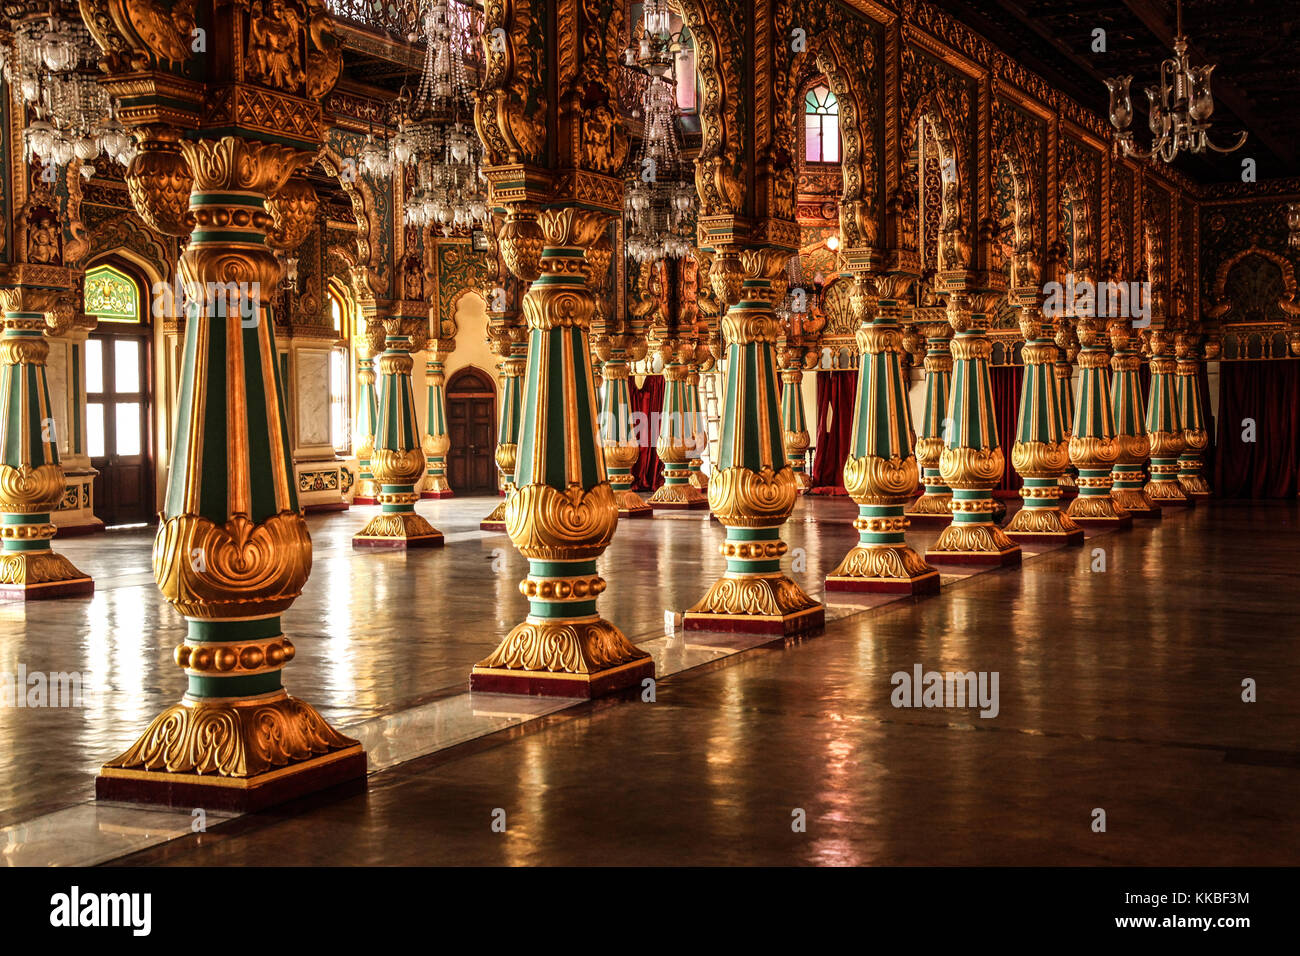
752	490
398	462
881	470
1041	452
1192	415
679	434
367	414
1067	347
1128	476
436	441
621	449
1164	424
509	341
31	477
972	461
232	551
703	362
1093	448
563	513
794	424
934	506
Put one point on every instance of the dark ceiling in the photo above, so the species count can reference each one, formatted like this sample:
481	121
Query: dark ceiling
1256	44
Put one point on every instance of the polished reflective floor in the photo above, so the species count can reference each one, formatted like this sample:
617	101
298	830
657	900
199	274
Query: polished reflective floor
1119	691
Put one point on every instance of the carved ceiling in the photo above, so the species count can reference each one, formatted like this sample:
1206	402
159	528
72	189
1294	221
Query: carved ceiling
1256	44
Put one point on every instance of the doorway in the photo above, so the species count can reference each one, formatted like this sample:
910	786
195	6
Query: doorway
118	437
471	427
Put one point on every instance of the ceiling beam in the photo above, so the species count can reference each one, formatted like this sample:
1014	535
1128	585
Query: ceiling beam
1153	17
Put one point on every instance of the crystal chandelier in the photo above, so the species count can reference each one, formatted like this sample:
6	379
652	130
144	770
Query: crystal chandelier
1179	110
660	197
51	68
433	130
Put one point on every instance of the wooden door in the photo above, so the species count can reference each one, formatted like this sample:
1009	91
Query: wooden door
117	427
471	426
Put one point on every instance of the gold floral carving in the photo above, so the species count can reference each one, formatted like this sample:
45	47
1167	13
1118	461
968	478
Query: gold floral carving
1090	452
982	538
744	498
37	567
872	480
397	466
232	738
899	561
566	647
398	525
1042	521
28	490
293	214
1039	459
159	182
964	467
573	524
240	569
766	595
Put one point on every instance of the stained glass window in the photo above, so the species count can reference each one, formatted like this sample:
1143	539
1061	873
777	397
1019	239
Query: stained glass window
821	126
111	295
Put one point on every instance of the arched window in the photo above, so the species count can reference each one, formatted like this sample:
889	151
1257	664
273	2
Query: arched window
112	295
821	125
341	372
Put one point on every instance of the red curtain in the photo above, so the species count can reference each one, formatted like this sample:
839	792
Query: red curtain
836	391
1007	381
648	400
1269	393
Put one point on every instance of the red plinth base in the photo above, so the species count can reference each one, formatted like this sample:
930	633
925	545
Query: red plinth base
925	584
678	505
437	494
499	680
77	530
975	558
399	544
625	515
1152	515
246	795
1125	522
813	619
495	525
78	587
1047	537
358	500
325	506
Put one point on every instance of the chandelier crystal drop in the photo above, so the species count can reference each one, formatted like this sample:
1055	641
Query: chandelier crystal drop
1178	110
50	65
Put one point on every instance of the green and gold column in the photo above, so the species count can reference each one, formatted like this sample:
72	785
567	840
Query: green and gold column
695	464
881	471
1164	426
972	461
934	507
31	477
752	489
436	441
511	367
1093	449
1192	415
1041	451
398	462
563	514
794	424
620	447
1066	348
678	435
1128	476
232	551
367	415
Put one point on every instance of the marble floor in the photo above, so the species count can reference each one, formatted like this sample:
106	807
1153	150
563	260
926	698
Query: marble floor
1119	690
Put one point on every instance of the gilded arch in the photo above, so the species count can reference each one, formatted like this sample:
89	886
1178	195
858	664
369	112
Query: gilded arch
1223	302
364	272
720	165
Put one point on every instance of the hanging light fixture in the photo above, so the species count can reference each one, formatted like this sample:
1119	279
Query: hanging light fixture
660	196
1179	109
50	65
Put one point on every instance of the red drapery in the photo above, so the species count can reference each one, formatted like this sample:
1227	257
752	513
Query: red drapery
836	391
648	400
1269	393
1007	381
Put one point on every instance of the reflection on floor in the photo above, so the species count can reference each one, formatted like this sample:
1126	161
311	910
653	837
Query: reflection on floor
1119	690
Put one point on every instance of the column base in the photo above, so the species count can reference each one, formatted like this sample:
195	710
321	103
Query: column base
631	505
1098	511
437	494
1167	494
930	511
885	569
398	532
802	483
974	544
253	752
1043	526
562	657
756	604
1136	503
39	575
699	481
365	500
496	521
683	496
1195	486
